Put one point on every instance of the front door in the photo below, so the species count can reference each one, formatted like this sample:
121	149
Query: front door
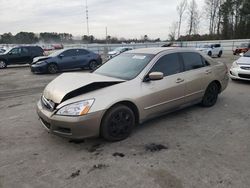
167	94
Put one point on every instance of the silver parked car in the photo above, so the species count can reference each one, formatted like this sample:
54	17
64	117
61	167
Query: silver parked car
129	89
240	69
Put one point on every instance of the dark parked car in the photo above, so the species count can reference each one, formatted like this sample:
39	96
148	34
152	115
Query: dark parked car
66	59
20	55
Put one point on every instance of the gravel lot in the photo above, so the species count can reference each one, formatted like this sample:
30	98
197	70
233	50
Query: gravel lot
198	147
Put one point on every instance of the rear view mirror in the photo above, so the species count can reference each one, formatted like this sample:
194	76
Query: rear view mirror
156	76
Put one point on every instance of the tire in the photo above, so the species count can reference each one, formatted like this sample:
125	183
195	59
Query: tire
211	95
92	65
2	64
220	54
118	123
209	53
52	68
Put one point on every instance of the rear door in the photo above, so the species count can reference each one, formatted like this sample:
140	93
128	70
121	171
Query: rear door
83	58
168	93
197	74
26	55
68	59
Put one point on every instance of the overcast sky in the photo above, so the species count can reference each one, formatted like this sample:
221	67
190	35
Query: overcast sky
124	18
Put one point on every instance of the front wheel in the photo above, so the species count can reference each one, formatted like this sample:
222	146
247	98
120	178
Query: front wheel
2	64
52	68
118	123
209	53
93	65
211	95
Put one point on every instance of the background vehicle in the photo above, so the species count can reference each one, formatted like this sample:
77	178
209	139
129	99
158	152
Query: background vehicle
240	69
118	51
66	59
211	50
243	48
20	55
129	89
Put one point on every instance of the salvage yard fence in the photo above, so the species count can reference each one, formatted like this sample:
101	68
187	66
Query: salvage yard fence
227	45
103	49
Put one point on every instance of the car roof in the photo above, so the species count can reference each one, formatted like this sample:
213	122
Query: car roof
157	50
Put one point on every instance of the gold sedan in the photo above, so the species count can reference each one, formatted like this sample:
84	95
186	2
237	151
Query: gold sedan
128	90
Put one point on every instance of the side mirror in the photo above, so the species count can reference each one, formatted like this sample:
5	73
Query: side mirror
155	76
61	56
10	53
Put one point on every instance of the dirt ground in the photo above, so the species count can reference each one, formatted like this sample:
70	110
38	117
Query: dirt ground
195	147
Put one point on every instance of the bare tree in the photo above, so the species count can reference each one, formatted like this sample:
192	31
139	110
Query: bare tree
181	8
173	31
194	18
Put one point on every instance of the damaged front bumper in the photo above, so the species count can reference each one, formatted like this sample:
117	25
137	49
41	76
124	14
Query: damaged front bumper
70	127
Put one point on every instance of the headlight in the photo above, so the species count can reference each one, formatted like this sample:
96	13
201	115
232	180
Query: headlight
76	109
40	62
235	65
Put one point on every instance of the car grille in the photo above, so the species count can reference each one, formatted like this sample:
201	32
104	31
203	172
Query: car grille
244	76
245	68
49	104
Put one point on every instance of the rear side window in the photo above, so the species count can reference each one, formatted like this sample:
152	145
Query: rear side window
82	52
168	65
217	45
69	53
192	60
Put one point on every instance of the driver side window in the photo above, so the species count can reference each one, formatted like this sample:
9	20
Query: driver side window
168	65
16	51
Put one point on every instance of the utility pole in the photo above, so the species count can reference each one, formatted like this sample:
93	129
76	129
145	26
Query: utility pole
87	17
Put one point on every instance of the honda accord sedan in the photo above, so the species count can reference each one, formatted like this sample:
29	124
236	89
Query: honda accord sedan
66	59
129	89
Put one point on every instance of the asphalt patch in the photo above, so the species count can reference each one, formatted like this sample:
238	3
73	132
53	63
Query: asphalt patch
98	167
94	148
118	154
155	147
75	174
77	141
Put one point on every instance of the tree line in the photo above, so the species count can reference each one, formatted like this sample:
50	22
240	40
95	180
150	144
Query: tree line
32	38
227	19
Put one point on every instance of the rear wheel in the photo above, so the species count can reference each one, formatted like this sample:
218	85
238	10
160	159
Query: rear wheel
2	64
93	65
220	54
118	123
52	68
211	95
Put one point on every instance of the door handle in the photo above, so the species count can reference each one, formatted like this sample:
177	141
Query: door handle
179	80
208	72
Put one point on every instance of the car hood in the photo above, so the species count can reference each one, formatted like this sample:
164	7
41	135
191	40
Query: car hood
40	58
112	53
244	61
69	85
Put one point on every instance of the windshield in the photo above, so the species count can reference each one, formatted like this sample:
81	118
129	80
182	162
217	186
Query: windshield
125	66
56	53
247	54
